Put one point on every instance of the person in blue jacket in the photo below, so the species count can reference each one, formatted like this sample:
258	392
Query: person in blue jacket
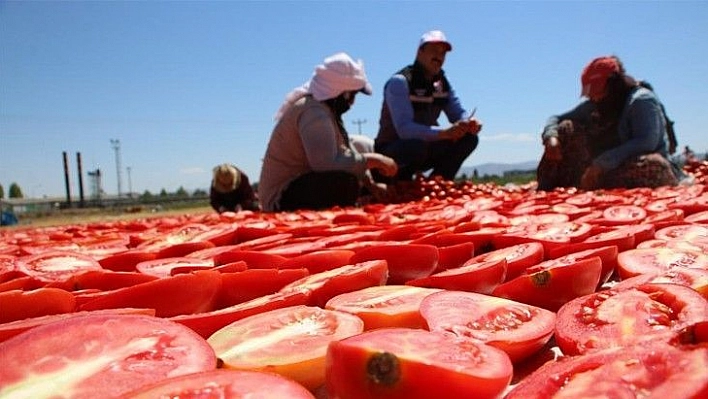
414	99
616	138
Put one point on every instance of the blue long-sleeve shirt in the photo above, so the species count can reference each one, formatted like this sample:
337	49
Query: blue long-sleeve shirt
400	122
641	129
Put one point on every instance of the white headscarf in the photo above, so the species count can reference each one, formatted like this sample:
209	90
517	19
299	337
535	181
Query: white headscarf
338	73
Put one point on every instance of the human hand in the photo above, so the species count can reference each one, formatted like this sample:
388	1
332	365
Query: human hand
454	132
552	149
473	125
387	166
591	178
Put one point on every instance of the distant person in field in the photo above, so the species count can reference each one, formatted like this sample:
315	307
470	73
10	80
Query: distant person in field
231	191
414	99
311	162
618	137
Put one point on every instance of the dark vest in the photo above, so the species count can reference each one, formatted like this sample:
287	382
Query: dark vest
428	97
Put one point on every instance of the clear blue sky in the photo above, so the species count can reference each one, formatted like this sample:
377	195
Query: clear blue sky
187	85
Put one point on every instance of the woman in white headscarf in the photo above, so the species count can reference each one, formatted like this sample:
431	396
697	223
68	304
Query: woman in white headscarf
309	162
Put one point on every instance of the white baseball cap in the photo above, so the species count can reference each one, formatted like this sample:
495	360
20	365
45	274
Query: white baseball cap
434	36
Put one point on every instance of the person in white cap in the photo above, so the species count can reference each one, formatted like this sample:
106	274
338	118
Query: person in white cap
310	162
414	98
231	190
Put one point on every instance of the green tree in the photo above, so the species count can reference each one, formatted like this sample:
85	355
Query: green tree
163	193
2	192
181	193
199	193
15	191
147	195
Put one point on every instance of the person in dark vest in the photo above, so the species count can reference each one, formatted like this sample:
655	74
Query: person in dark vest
409	130
231	190
619	137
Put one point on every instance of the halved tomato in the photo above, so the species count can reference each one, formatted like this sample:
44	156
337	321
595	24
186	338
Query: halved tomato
126	261
696	279
319	261
56	266
18	305
657	260
405	261
228	384
290	341
99	356
253	283
415	364
481	277
384	306
518	257
623	214
254	259
615	317
518	329
650	371
162	267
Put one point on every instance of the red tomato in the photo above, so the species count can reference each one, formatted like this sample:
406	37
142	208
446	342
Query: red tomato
99	356
230	384
9	330
405	261
410	363
290	341
614	318
481	277
126	261
384	306
551	284
254	259
207	323
623	214
700	217
518	329
696	279
251	284
56	266
321	287
162	267
108	280
319	261
656	371
169	296
18	305
685	232
182	249
453	256
518	257
658	260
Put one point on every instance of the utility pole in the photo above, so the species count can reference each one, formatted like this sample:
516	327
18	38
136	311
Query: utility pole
130	183
115	144
359	122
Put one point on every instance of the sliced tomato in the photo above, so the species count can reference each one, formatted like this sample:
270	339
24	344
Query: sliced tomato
207	323
9	330
99	356
481	277
254	259
290	341
685	232
253	283
56	266
169	296
518	329
126	261
453	256
183	249
162	267
405	261
384	306
615	318
518	257
658	260
18	305
230	384
319	261
656	371
697	279
321	287
107	280
411	363
623	214
552	283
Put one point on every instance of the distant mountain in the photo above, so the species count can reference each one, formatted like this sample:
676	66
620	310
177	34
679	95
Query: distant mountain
497	169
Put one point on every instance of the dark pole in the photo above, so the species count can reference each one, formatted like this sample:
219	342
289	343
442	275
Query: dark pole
66	178
81	180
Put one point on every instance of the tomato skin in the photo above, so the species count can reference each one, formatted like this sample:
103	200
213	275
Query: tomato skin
518	329
453	256
109	355
518	257
56	266
253	283
18	305
162	267
481	277
126	261
170	296
319	261
551	284
405	262
622	317
656	370
254	259
408	363
108	280
231	384
297	341
658	260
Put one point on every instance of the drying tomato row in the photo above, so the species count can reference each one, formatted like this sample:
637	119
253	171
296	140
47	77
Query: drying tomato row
449	296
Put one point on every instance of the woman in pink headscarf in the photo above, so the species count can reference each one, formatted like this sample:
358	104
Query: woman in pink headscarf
310	162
